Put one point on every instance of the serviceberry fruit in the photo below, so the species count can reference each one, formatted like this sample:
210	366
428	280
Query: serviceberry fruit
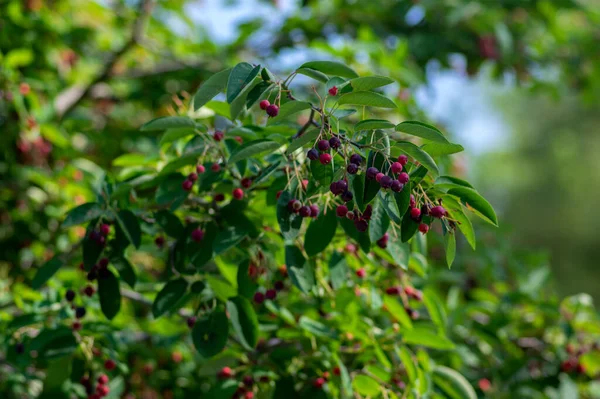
313	154
76	326
215	167
105	229
259	298
403	177
361	225
89	290
350	215
423	228
393	290
103	379
187	185
246	182
197	235
325	159
159	241
238	193
356	159
110	364
386	182
360	273
335	143
437	211
70	295
200	169
272	110
271	294
347	196
264	104
397	186
341	210
333	91
403	159
218	135
319	382
352	168
396	168
305	211
80	312
378	177
372	172
314	211
192	177
323	145
415	214
279	285
219	197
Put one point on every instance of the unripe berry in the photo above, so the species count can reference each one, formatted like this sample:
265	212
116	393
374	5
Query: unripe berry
80	312
356	159
239	139
396	168
218	135
103	379
335	143
238	193
361	225
192	177
200	169
305	211
437	211
403	159
314	211
264	104
197	235
323	145
215	167
423	228
347	196
246	182
403	177
187	185
325	159
110	364
352	168
191	321
415	213
333	91
105	229
313	154
272	110
372	173
386	182
360	273
259	298
70	295
341	210
397	186
271	294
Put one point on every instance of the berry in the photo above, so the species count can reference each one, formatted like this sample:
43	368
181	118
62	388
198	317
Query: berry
278	194
272	110
248	380
350	215
342	185
361	225
424	210
105	229
347	196
264	104
403	177
367	213
249	395
378	177
437	212
423	228
197	235
356	159
218	135
259	298
392	290
102	390
103	379
76	326
397	186
219	197
103	263
333	91
110	364
337	371
19	348
382	242
187	185
372	173
89	290
92	275
304	184
335	143
238	139
246	182
386	182
215	167
403	159
325	159
313	154
415	214
70	295
484	384
396	168
225	373
24	89
159	241
341	210
279	285
412	201
192	177
80	312
319	382
323	145
200	169
238	193
352	168
296	205
271	294
360	273
305	211
314	211
191	321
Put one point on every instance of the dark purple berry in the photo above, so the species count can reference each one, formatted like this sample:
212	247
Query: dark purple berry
352	168
279	285
80	312
386	182
314	211
403	178
271	294
356	159
372	173
323	145
397	186
272	110
335	143
313	154
305	211
341	210
347	196
70	295
361	225
19	348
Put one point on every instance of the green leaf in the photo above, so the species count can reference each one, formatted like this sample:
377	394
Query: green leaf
455	211
332	68
438	149
450	243
222	289
311	73
210	333
397	311
322	173
179	162
109	293
246	285
424	337
422	130
370	82
320	232
241	76
403	199
46	272
129	225
435	308
289	223
170	223
380	141
168	122
346	382
372	124
367	99
169	136
338	270
244	321
308	137
475	201
168	296
357	187
125	269
300	271
407	361
335	81
421	156
452	383
379	223
239	103
211	87
257	92
83	213
400	252
316	328
451	182
91	250
366	385
289	108
227	239
253	148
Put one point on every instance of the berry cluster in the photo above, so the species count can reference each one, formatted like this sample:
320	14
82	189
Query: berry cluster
271	109
188	183
247	387
99	236
306	211
101	389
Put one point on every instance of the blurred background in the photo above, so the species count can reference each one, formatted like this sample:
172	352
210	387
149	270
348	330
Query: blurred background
517	82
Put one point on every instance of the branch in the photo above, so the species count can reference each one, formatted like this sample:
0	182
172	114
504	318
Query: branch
71	97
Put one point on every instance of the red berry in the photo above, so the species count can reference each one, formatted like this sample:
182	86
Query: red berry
392	290
341	210
314	211
264	104
333	91
238	193
215	167
484	384
272	110
238	139
379	176
197	235
415	213
103	263
187	185
397	186
200	169
259	298
246	182
382	242
192	177
396	168
350	215
76	326
105	229
319	382
225	372
412	201
218	135
337	371
159	241
191	321
24	89
110	364
360	273
278	194
403	177
437	212
403	159
219	197
361	225
249	395
305	211
89	290
102	390
271	294
423	228
325	159
103	379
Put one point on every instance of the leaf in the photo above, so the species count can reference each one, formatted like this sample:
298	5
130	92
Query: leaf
244	321
456	212
170	223
421	156
408	362
453	383
424	337
239	103
211	87
438	149
289	223
168	296
181	161
379	223
422	130
366	385
435	308
400	252
125	269
332	68
222	289
397	311
83	213
338	270
367	99
316	328
346	382
357	187
451	182
168	122
300	271
311	73
252	148
241	76
450	243
210	333
475	201
129	225
246	285
322	173
257	92
46	272
308	137
372	124
403	199
380	141
169	136
320	232
227	239
289	108
91	250
370	82
110	294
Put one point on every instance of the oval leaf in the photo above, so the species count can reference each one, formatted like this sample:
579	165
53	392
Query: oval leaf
210	334
129	225
109	293
453	383
366	385
244	321
168	122
422	130
46	272
370	82
427	338
311	73
241	75
332	68
83	213
168	296
300	271
421	156
253	148
371	124
320	232
209	89
475	201
367	99
169	222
